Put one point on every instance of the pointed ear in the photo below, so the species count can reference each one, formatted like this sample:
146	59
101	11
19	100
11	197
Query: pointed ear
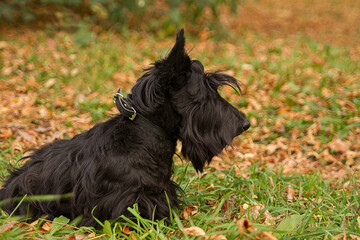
178	50
178	60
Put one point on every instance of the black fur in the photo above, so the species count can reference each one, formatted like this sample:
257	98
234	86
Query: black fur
119	162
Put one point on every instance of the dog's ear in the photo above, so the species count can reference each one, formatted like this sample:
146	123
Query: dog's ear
176	64
177	58
166	74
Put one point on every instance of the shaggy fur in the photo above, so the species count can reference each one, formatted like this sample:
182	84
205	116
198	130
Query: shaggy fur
120	162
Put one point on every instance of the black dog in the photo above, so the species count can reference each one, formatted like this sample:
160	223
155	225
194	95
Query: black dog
128	159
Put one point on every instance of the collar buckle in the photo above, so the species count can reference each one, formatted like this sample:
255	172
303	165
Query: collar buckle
130	111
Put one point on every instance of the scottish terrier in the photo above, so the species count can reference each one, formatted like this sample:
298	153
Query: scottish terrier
128	159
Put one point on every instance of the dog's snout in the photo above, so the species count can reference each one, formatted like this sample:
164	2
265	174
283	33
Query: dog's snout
246	125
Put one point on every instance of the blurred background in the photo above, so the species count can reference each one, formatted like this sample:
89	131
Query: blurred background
326	20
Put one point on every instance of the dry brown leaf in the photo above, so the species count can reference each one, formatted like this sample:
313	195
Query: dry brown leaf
271	148
49	83
283	110
290	194
279	127
76	237
4	44
135	236
80	236
26	136
352	236
254	211
34	223
341	236
215	237
42	129
271	182
269	220
188	211
266	236
126	230
46	226
70	237
253	121
247	67
26	225
255	104
8	226
328	157
91	235
194	231
338	145
245	227
55	136
6	134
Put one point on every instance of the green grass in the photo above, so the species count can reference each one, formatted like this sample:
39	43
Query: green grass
314	81
318	211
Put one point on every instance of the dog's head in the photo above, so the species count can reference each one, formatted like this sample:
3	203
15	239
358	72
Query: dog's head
207	123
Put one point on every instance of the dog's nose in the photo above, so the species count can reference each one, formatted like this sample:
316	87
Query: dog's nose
246	125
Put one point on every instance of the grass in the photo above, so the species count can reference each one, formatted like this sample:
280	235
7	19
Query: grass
317	211
300	95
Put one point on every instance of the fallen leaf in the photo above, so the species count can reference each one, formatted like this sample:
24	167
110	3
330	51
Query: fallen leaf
341	236
269	220
49	83
42	129
70	237
228	205
126	230
26	225
194	231
338	145
283	110
135	236
245	227
279	127
266	236
77	237
255	104
290	194
46	226
91	235
188	211
271	182
352	236
26	135
6	134
246	67
4	44
215	237
55	136
8	226
256	211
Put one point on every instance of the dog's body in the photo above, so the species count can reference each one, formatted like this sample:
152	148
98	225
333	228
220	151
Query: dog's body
122	162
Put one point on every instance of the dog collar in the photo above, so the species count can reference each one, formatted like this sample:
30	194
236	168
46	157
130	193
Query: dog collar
128	111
